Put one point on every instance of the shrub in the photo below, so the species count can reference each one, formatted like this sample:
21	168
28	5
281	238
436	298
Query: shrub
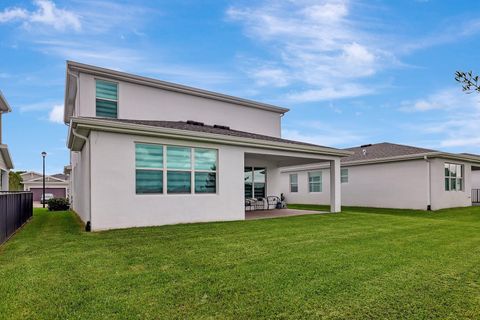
58	204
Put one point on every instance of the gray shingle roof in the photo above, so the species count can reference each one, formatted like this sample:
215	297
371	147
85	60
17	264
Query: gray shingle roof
182	125
60	176
383	150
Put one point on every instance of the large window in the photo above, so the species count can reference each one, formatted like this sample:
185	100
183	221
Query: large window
344	175
106	99
315	181
293	182
181	168
453	177
255	182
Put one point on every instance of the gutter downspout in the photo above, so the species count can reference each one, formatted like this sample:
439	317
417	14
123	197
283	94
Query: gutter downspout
429	175
88	225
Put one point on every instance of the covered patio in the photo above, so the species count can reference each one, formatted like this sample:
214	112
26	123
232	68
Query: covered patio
263	182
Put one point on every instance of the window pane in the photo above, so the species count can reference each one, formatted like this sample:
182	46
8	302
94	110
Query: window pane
149	156
178	182
179	157
259	175
447	170
459	170
259	190
106	109
149	181
205	182
315	187
315	176
294	188
453	170
453	184
447	184
106	90
294	178
459	184
344	175
205	159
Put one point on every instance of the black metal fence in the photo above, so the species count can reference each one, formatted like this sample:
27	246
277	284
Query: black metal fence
476	196
15	209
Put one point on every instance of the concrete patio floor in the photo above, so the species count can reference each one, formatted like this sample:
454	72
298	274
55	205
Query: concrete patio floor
277	213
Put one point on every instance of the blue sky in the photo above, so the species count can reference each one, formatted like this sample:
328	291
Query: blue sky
352	72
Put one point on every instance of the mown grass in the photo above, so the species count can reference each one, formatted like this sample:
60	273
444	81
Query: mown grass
358	264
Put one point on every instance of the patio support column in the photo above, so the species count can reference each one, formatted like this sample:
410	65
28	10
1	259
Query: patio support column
335	187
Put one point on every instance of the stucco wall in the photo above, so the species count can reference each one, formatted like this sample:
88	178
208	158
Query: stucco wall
449	199
392	185
80	193
147	103
115	203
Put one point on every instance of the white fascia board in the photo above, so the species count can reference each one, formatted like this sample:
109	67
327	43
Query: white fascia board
85	125
6	156
4	106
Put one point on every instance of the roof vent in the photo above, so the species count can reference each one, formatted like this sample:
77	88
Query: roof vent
195	123
366	145
218	126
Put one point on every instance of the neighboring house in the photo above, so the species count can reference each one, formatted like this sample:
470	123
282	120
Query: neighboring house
147	152
6	163
56	184
391	176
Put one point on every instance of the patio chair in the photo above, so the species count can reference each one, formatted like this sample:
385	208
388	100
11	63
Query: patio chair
272	202
260	204
250	204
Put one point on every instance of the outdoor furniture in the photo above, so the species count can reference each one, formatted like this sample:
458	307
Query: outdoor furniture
272	202
250	204
260	204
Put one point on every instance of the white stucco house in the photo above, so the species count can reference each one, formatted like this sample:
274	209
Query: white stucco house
147	152
56	184
6	163
390	176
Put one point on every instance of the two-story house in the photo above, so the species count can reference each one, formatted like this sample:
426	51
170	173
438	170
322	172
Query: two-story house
148	152
6	163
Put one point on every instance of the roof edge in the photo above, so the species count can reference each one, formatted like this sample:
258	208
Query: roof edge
6	156
128	77
4	106
122	127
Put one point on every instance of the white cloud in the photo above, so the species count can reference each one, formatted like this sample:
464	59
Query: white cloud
445	99
47	14
321	46
330	93
56	114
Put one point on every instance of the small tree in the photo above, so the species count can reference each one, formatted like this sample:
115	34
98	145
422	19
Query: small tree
15	181
468	80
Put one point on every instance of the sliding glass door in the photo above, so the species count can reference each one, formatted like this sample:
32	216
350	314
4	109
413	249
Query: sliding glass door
255	182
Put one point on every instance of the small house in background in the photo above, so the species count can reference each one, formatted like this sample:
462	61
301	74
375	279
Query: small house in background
56	184
6	163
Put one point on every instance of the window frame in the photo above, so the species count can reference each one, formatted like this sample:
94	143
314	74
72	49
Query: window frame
311	183
253	169
192	170
106	99
162	169
291	184
459	180
343	177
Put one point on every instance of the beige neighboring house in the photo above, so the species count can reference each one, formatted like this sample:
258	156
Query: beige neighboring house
147	152
56	184
6	163
390	175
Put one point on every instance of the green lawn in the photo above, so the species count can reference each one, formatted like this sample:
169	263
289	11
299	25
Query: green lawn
359	264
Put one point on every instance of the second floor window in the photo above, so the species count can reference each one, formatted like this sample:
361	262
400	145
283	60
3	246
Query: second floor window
106	99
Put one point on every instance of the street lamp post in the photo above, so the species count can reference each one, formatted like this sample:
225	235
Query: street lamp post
44	154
